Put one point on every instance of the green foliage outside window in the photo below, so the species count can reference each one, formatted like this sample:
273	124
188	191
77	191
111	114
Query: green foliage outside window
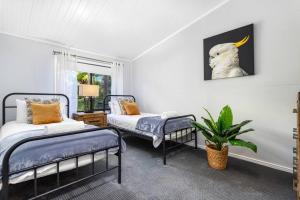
104	82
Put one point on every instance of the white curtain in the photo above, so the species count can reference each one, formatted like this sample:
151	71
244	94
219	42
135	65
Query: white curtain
117	78
66	78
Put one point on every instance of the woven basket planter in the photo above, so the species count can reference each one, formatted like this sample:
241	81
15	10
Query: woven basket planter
217	159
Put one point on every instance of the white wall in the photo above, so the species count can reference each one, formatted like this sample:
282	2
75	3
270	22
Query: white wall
170	76
27	66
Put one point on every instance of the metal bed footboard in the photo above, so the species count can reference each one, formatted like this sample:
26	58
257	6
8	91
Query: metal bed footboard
6	172
182	136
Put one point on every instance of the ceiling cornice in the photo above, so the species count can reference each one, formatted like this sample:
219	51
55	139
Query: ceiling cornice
181	29
60	45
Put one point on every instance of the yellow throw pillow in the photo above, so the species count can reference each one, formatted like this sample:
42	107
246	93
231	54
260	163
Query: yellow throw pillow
131	108
45	113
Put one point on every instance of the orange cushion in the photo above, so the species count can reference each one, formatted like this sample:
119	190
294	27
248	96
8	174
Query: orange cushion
131	108
45	113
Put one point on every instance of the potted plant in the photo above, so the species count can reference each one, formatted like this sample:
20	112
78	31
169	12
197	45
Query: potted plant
221	132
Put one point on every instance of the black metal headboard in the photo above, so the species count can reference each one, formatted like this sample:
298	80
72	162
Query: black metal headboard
108	97
4	106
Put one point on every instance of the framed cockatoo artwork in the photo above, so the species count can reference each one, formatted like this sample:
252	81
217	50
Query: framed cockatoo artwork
230	54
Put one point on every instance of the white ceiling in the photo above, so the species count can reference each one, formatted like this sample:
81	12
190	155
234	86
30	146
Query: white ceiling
118	28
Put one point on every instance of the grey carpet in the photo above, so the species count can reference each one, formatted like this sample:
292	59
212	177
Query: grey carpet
185	177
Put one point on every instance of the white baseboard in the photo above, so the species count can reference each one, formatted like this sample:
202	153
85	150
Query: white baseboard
257	161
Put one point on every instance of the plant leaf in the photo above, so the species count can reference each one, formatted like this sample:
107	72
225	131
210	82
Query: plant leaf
205	131
211	119
225	119
239	133
220	139
210	125
200	126
236	128
242	143
208	136
233	131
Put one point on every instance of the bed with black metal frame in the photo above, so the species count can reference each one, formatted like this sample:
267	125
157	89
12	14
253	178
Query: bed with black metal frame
5	164
176	138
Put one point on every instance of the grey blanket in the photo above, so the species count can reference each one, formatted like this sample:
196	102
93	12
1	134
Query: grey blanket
43	151
155	124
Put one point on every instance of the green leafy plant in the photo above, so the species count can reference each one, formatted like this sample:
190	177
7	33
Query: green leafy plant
223	131
83	77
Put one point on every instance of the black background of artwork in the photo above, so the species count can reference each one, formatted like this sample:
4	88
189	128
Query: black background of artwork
246	52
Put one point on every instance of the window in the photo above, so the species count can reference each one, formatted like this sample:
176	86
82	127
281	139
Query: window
95	73
104	82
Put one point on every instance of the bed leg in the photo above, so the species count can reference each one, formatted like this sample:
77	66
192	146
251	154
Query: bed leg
120	167
119	157
196	140
164	150
5	179
4	194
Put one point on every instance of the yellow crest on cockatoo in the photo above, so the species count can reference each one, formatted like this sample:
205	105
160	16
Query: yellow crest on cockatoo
242	42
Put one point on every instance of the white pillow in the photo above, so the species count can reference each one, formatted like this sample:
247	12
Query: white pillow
116	107
169	114
112	108
63	110
21	111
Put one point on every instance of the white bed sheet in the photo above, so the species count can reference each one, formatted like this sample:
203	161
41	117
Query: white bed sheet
129	122
13	127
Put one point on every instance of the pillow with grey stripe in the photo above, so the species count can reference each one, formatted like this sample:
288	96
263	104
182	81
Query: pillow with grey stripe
29	101
121	101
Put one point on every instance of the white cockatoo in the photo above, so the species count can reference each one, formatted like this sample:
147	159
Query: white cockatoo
224	60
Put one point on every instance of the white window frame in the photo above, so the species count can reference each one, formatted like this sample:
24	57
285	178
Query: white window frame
91	67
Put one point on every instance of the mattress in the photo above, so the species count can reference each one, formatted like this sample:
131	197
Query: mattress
129	122
14	127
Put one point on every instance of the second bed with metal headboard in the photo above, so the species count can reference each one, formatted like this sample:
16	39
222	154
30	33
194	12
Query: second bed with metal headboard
170	138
